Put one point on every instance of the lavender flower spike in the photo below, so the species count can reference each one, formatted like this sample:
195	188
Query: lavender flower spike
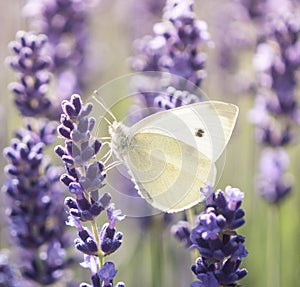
85	177
276	110
174	48
35	213
65	22
174	52
220	247
273	181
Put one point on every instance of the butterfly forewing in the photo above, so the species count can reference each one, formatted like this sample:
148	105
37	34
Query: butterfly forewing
206	126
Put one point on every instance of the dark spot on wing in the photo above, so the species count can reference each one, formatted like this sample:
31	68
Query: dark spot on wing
199	133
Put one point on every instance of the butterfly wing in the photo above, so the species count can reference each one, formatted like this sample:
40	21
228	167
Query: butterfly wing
206	126
167	172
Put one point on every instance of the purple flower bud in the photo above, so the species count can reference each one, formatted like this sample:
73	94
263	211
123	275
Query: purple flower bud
114	215
97	146
71	203
66	179
86	110
182	230
83	125
229	273
76	189
68	159
69	109
110	239
86	243
76	102
60	150
233	196
210	225
90	262
204	273
107	272
63	131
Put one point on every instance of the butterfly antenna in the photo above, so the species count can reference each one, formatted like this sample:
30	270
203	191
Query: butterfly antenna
109	123
104	138
103	106
107	156
112	165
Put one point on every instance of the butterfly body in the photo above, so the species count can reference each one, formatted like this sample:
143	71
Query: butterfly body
167	160
120	139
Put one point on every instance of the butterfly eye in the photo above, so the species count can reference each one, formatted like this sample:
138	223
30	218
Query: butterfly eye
199	133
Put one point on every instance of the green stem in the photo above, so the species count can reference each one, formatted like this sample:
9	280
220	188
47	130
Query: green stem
100	253
156	244
96	236
273	248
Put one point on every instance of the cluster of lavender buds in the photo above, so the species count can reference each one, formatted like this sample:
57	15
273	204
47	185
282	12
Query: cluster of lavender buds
276	111
84	177
33	183
214	236
173	54
65	23
8	274
35	213
32	66
273	180
173	50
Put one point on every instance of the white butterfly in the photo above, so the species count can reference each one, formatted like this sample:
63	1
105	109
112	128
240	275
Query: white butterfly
171	154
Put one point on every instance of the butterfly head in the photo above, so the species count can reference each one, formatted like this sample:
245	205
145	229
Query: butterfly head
119	139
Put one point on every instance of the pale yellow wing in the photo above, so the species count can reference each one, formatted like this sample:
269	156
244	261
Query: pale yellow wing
206	126
168	173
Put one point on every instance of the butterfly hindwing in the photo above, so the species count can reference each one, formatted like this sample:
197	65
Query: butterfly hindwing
167	172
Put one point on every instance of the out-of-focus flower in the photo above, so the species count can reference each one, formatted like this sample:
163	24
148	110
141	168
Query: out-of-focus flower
32	66
65	23
182	231
276	110
174	52
37	218
174	47
274	184
8	273
36	208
